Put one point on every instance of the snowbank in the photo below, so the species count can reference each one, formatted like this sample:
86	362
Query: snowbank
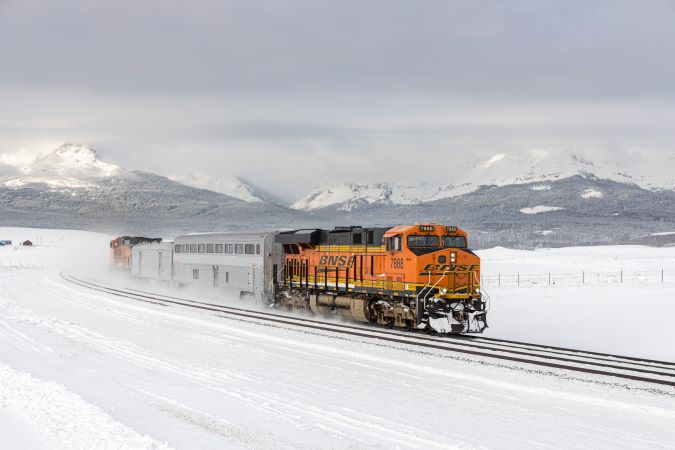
59	418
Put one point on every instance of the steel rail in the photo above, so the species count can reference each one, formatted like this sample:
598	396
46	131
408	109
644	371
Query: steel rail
472	341
412	340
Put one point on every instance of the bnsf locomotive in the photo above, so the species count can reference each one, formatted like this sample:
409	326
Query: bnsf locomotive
417	276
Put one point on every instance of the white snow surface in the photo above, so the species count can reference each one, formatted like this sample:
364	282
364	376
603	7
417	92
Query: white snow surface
229	185
70	166
663	233
60	418
132	374
350	195
540	209
533	166
591	193
632	318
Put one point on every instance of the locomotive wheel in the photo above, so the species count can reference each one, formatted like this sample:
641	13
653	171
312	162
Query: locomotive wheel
409	325
389	324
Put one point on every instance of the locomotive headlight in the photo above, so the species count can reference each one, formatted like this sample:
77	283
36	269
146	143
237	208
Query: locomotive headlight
453	257
444	291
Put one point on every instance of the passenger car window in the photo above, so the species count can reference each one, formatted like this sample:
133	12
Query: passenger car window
249	249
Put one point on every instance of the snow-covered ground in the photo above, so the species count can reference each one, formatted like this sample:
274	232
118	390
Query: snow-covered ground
82	369
602	314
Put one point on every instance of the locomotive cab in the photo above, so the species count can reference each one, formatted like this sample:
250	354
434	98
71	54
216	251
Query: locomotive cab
444	271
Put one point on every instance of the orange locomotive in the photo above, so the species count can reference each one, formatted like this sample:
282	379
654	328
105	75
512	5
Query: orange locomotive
419	276
120	250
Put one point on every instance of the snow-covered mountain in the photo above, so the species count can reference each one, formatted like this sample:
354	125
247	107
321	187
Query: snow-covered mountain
71	187
232	186
350	195
499	170
71	166
520	201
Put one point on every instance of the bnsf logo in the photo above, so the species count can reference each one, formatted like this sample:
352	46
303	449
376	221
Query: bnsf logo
450	267
335	261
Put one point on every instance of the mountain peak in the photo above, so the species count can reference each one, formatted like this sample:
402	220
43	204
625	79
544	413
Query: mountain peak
68	166
75	157
542	165
230	185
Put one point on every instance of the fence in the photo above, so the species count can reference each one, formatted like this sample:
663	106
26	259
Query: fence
620	276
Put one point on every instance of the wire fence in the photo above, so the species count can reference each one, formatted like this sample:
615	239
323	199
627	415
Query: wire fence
620	276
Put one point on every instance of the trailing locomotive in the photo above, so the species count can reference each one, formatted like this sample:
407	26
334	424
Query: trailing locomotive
120	250
418	276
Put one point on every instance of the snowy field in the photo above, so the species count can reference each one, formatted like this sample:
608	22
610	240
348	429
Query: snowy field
81	369
633	318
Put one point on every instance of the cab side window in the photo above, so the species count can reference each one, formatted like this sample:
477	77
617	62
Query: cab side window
393	244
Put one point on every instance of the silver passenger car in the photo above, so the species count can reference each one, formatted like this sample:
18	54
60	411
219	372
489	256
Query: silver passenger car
152	260
239	264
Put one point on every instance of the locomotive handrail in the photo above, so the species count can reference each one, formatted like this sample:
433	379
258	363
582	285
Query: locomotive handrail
426	294
435	284
417	299
474	277
276	275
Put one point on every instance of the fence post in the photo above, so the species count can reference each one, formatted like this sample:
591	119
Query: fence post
500	279
661	275
583	277
622	275
549	278
518	278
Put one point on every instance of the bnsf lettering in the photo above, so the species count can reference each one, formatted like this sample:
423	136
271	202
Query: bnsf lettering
450	267
335	261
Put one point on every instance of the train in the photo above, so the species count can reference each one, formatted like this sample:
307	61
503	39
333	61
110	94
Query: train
411	277
120	250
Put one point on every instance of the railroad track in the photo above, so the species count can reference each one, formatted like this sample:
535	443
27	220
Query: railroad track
623	367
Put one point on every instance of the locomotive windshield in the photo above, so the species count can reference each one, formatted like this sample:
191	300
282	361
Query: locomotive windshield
416	240
454	242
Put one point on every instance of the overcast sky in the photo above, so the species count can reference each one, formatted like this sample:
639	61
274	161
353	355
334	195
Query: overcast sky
292	94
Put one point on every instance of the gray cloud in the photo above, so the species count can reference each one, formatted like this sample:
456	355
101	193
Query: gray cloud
352	88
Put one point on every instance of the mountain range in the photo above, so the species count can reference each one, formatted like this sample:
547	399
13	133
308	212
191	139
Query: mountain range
500	170
528	200
72	188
